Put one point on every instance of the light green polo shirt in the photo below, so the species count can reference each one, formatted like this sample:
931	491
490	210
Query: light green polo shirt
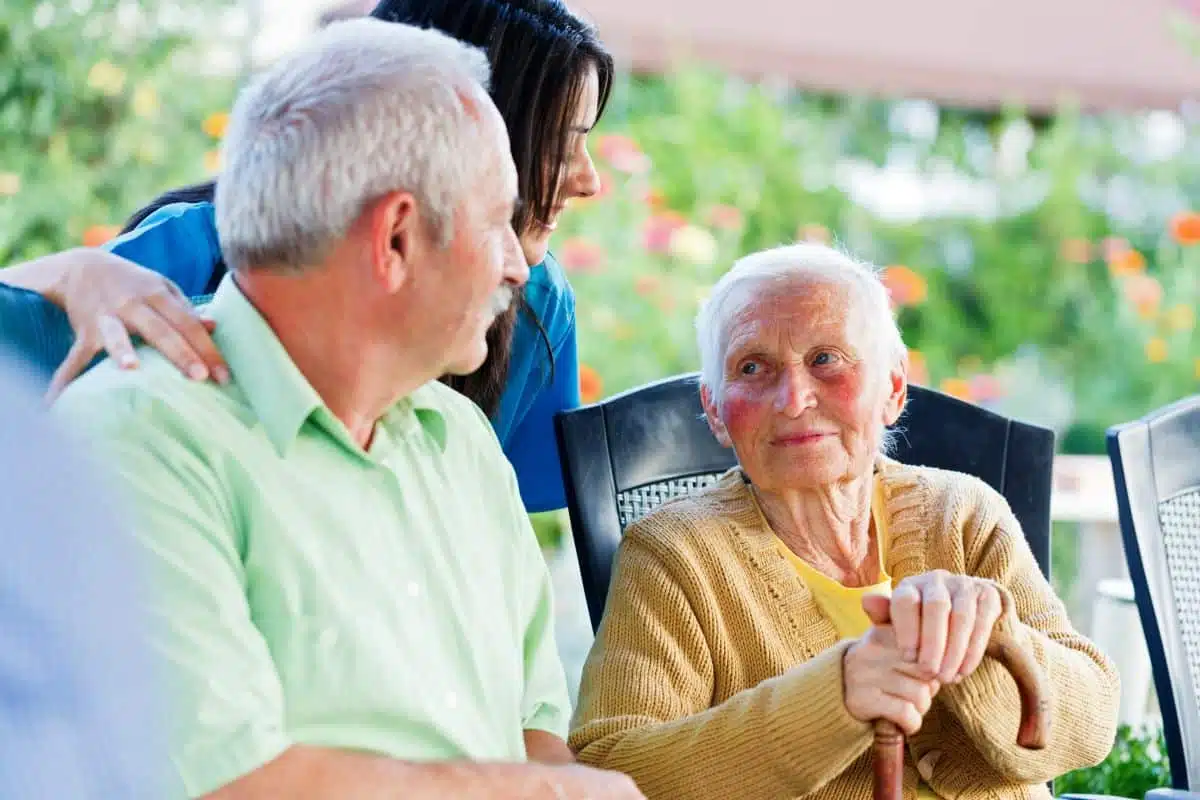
393	601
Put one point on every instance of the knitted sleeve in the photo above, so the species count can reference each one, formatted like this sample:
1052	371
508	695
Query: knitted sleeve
645	703
1083	684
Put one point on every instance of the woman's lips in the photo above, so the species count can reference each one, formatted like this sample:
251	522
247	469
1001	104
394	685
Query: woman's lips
796	439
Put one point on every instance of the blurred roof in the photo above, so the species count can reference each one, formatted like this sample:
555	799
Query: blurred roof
980	53
975	53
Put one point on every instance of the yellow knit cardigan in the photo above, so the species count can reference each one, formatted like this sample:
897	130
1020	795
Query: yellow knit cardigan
715	675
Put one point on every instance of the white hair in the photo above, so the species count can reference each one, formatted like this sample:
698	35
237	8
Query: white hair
803	263
364	108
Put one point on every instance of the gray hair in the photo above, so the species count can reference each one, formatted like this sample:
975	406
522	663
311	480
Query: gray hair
364	108
787	265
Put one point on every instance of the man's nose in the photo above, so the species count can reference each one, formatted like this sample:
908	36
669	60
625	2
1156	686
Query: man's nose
516	269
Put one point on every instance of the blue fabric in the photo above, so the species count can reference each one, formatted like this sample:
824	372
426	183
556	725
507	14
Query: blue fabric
79	710
179	241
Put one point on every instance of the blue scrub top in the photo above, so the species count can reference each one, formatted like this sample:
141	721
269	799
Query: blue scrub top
179	241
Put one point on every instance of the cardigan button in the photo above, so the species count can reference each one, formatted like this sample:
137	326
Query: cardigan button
927	763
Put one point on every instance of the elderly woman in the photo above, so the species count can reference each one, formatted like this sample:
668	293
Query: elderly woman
746	646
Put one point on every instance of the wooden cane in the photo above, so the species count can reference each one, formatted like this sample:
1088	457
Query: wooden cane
888	751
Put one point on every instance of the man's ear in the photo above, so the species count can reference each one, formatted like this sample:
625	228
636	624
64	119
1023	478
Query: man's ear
897	384
395	238
711	413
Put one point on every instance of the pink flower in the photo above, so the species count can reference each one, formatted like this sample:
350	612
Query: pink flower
623	154
657	232
725	218
580	255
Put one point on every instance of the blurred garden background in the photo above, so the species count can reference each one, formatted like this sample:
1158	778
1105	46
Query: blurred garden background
1042	263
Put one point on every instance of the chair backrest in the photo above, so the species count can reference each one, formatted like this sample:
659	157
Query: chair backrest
622	457
1156	468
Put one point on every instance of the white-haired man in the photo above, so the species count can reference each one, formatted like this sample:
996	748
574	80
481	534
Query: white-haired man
352	603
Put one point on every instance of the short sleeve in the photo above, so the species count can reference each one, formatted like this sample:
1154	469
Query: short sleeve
179	242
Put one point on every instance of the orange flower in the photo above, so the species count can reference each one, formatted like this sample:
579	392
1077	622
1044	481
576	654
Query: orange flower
918	370
1156	350
1075	251
216	124
1144	293
1114	246
956	387
591	388
725	218
97	235
1126	262
905	286
1185	227
654	198
647	285
814	232
580	255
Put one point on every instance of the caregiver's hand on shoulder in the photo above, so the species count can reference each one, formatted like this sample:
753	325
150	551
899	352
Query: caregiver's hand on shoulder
878	683
943	622
107	298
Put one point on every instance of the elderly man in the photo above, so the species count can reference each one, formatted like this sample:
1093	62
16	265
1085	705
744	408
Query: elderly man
351	601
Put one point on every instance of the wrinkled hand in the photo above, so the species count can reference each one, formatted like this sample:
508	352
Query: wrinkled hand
943	622
879	683
577	782
107	298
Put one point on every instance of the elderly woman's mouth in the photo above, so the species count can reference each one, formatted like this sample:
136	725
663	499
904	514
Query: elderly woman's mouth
801	438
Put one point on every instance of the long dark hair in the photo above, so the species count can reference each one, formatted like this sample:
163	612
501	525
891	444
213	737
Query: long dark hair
540	55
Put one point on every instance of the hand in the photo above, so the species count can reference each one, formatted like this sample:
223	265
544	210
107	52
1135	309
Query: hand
943	622
878	682
577	782
107	297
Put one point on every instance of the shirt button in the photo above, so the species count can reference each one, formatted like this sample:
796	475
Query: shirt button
413	589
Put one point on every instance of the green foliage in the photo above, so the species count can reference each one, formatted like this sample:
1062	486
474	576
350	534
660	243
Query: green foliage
1043	281
1137	764
102	104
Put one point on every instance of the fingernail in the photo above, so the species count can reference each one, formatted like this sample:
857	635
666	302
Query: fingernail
197	372
222	375
128	361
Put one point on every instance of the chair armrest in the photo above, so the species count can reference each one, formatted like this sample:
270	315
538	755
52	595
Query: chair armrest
1172	794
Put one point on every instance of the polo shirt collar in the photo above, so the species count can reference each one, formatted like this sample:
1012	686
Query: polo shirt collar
281	397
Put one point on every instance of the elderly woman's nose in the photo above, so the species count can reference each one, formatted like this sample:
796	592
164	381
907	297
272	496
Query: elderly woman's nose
795	392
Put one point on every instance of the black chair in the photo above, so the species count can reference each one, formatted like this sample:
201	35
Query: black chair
1156	468
622	457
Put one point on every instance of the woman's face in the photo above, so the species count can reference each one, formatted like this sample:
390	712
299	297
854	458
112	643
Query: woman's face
805	399
578	178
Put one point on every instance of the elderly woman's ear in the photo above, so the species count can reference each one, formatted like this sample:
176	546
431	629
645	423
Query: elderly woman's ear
897	392
714	418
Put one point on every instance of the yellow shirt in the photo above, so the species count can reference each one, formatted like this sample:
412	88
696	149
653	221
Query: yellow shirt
843	604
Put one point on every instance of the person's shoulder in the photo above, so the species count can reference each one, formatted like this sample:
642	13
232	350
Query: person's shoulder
198	214
551	297
939	493
114	402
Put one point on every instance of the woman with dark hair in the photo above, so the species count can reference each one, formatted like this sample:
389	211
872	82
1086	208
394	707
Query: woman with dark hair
551	79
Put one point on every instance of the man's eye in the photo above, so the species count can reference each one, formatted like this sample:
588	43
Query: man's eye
824	359
749	368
